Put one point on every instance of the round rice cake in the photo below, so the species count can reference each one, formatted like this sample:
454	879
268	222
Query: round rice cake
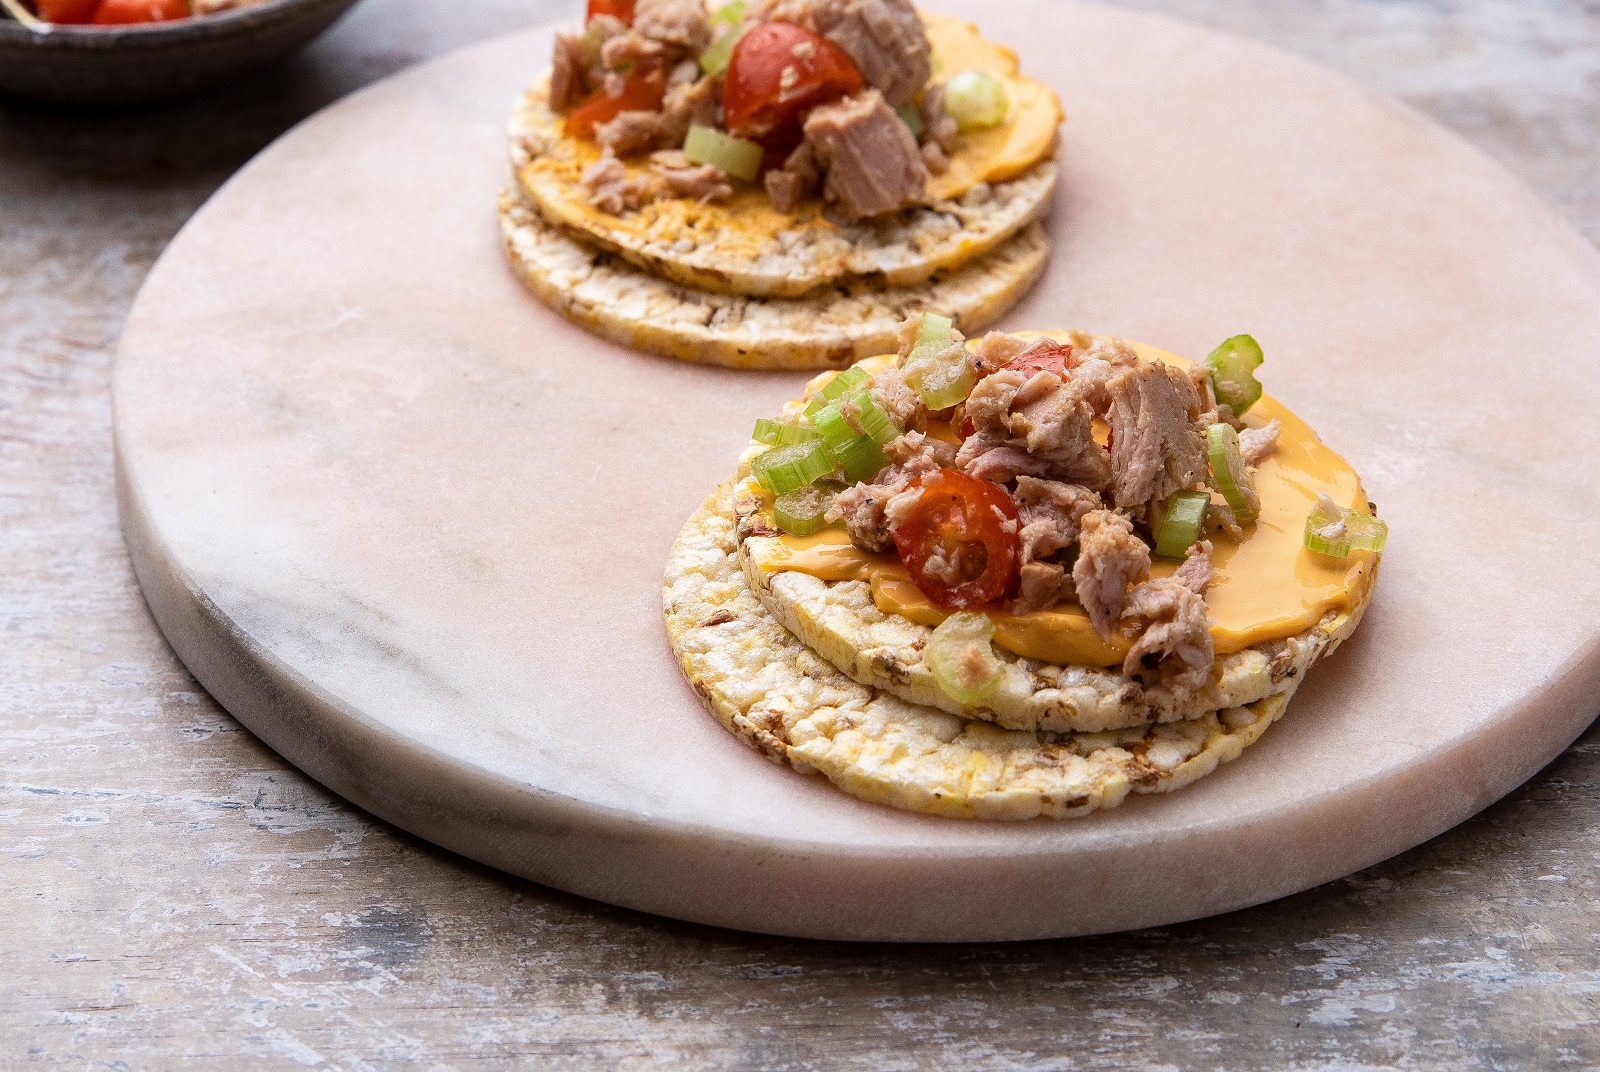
764	684
842	622
745	246
602	293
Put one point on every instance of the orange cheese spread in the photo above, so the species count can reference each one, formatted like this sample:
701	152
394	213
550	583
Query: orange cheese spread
1268	585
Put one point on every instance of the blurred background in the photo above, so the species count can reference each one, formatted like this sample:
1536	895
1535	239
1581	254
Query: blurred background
204	899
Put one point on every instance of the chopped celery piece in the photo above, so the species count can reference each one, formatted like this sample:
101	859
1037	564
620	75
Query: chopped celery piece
937	367
942	380
976	101
912	118
714	60
783	469
778	434
934	333
728	14
737	157
869	417
1333	530
844	381
960	653
1233	373
1229	474
861	459
859	456
1181	523
804	510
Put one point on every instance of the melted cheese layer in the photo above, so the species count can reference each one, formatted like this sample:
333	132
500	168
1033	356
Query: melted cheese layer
1268	586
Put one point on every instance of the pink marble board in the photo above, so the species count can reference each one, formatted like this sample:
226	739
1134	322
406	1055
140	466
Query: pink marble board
409	526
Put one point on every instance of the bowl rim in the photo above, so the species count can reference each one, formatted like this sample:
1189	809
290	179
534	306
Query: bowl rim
174	29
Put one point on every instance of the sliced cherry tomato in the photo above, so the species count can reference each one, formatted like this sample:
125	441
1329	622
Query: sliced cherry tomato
757	98
1046	355
67	12
130	12
960	541
617	9
642	91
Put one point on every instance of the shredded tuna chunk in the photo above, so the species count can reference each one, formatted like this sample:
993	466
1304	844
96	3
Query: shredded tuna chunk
633	49
684	23
934	159
1211	411
1196	572
996	350
797	178
885	38
1094	362
939	126
567	85
1040	586
871	161
869	510
1156	449
1175	650
1035	425
703	182
917	455
1110	560
901	403
610	187
1257	444
632	132
1051	514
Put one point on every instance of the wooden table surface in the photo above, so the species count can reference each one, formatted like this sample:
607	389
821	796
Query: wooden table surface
173	890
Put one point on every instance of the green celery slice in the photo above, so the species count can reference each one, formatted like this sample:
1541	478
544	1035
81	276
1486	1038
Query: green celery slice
858	455
1229	474
729	14
934	333
861	459
871	418
714	60
846	380
783	469
735	156
966	680
937	367
942	381
1333	530
975	100
804	510
779	434
1181	523
1232	366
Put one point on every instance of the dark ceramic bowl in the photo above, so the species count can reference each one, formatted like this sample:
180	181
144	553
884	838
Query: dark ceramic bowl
135	65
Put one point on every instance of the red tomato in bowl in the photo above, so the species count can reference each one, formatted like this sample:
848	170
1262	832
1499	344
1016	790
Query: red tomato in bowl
960	542
762	101
617	9
642	91
132	12
67	12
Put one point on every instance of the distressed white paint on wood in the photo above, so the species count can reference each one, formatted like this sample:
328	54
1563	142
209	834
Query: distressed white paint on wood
170	888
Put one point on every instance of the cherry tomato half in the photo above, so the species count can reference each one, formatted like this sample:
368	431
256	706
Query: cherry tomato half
960	541
642	91
617	9
1046	355
66	12
755	98
130	12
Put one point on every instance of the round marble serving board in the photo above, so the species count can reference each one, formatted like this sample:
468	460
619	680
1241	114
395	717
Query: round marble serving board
409	526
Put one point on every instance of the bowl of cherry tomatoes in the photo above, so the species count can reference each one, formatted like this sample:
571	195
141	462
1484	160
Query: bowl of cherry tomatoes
137	52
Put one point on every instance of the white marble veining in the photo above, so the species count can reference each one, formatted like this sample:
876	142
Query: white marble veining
409	525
